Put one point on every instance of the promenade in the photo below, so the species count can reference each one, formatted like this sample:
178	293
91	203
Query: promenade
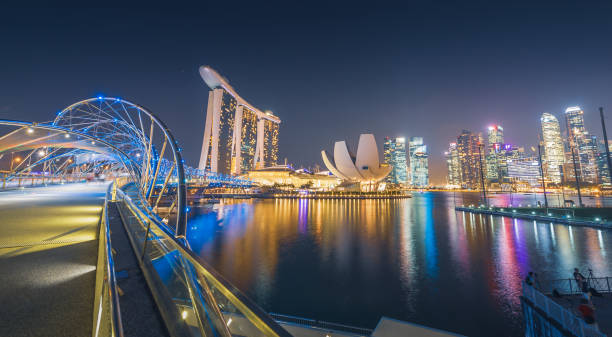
48	254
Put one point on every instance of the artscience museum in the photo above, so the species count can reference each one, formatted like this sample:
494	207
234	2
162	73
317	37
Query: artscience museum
363	169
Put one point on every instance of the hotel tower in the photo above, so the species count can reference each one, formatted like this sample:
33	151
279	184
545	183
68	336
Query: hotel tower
237	136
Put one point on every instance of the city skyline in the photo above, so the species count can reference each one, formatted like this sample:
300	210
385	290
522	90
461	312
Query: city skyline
431	75
562	156
304	169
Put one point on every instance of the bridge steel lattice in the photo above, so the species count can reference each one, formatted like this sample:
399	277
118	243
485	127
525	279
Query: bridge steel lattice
103	135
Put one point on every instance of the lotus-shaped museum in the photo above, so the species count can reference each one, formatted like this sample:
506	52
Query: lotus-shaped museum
364	168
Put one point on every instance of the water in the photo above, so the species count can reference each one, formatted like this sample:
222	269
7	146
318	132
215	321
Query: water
354	261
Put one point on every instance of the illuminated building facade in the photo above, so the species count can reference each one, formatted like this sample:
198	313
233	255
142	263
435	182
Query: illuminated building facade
245	153
394	154
419	162
552	142
285	176
582	144
237	136
602	163
270	141
508	151
452	165
495	137
495	155
524	170
469	161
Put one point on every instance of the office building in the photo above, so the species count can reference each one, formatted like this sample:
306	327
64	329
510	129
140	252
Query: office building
495	142
602	163
524	170
394	154
552	146
470	159
452	165
580	142
419	162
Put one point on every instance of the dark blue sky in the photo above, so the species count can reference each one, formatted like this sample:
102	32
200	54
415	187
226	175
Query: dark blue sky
329	71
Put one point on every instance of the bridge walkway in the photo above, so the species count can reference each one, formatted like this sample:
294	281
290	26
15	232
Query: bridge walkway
48	254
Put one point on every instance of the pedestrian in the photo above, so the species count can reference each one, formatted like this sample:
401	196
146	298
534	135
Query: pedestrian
529	278
580	280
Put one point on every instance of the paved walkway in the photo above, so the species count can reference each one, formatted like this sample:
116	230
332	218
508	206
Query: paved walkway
48	254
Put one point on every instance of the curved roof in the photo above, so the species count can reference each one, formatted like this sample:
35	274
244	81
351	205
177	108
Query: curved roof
214	80
364	167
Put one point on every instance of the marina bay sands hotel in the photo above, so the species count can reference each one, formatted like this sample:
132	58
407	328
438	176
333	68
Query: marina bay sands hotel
237	137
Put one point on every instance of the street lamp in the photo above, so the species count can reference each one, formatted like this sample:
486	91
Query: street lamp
15	160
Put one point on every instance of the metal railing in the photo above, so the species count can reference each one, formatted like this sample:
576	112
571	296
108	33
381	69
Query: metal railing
570	286
107	316
324	325
192	298
555	311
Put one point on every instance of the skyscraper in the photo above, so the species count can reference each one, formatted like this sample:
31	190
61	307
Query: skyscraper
495	137
452	164
244	155
419	162
395	155
237	136
581	143
268	131
220	119
602	163
469	160
553	147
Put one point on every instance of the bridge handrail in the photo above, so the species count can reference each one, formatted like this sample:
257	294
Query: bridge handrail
567	319
213	298
106	322
571	287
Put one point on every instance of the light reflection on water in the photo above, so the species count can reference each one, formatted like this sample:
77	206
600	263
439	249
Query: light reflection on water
353	261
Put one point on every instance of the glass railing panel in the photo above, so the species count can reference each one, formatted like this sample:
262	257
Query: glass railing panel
200	299
106	312
170	278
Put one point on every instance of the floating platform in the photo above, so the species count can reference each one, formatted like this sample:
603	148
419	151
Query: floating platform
575	216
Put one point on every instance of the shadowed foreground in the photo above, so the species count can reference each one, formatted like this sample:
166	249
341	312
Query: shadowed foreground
48	254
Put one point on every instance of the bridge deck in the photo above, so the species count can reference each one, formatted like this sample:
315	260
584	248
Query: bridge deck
48	254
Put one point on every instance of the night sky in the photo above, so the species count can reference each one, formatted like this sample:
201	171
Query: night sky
330	72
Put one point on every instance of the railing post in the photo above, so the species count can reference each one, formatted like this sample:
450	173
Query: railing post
114	193
144	244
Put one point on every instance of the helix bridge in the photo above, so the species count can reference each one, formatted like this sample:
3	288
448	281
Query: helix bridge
94	235
131	150
108	137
